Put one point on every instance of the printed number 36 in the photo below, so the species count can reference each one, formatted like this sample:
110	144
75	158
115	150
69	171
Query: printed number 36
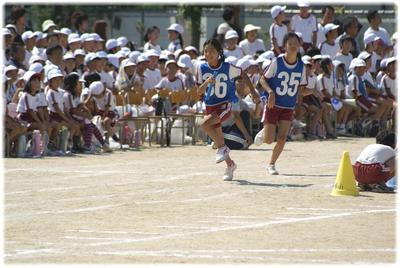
220	87
289	84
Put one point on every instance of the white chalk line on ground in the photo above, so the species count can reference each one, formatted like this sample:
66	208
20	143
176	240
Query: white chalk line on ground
243	227
110	232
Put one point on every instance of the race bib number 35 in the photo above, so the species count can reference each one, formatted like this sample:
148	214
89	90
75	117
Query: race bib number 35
289	83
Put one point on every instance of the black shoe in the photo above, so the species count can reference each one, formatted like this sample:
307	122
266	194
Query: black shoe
364	187
382	188
115	138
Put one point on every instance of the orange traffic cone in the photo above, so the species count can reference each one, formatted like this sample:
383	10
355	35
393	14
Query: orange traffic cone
345	183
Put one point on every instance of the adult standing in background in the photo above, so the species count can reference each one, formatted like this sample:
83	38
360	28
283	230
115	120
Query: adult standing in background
18	18
229	23
306	24
351	28
375	20
328	16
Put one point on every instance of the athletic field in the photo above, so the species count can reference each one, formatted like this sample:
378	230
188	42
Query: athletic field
170	205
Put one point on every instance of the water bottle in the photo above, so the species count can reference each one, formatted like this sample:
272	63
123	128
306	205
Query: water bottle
21	146
37	146
63	139
127	135
137	138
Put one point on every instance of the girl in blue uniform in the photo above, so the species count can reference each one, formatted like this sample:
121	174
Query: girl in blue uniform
216	78
282	80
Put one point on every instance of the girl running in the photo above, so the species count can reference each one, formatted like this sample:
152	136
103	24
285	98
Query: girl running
216	81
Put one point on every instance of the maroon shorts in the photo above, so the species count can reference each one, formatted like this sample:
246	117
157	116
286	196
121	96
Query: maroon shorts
312	100
276	114
364	103
222	110
110	114
371	173
55	117
25	118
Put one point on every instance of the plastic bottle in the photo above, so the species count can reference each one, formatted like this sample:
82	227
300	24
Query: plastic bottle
21	146
37	146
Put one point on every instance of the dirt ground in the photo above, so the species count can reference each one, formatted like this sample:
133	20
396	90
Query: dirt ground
170	205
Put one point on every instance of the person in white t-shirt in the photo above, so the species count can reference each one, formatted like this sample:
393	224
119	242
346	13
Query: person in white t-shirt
307	25
344	54
152	74
251	45
151	36
374	20
389	85
231	47
328	13
376	164
329	46
278	30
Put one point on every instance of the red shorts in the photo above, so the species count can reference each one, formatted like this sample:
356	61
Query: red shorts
55	117
110	114
222	110
276	114
364	103
25	118
371	173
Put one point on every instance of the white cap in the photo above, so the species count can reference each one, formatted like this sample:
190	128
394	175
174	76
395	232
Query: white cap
134	55
253	62
364	55
251	27
111	43
317	57
303	4
122	41
152	53
191	48
10	68
69	56
177	52
47	24
96	87
357	63
66	31
176	27
79	52
330	27
142	57
29	74
299	34
383	63
336	63
113	59
121	54
185	61
127	63
163	56
223	28
231	34
53	73
369	38
12	26
36	67
306	59
90	57
276	10
101	54
39	35
35	58
73	37
27	35
88	37
169	62
6	31
96	37
267	55
20	75
232	60
390	60
243	63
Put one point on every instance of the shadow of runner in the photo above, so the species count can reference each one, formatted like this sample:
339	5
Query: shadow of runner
277	185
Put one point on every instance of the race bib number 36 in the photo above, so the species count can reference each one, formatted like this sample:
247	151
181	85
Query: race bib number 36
220	87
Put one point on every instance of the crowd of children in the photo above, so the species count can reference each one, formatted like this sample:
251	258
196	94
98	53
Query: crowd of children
68	86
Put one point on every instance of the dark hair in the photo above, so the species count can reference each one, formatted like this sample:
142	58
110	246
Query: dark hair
180	39
288	36
217	45
228	14
344	38
52	49
91	78
313	51
28	85
100	27
80	19
325	8
15	46
386	137
149	31
17	12
70	83
324	65
371	15
349	20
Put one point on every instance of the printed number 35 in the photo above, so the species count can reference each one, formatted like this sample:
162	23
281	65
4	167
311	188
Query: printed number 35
289	83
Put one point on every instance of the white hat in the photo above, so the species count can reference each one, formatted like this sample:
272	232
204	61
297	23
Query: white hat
364	55
317	57
6	31
84	36
266	55
253	62
383	63
152	53
176	27
47	24
177	52
390	60
266	63
113	59
357	63
336	63
306	59
231	59
185	61
330	27
163	56
276	10
303	4
79	52
142	57
36	67
101	54
299	34
12	26
96	87
39	35
223	28
53	73
121	54
73	37
128	62
169	62
371	37
90	57
122	41
231	34
66	31
29	74
69	56
20	75
88	37
134	55
251	27
35	58
27	35
9	68
96	37
191	48
243	63
111	43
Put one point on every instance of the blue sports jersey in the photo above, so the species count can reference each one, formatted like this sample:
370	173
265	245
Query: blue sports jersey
224	87
285	83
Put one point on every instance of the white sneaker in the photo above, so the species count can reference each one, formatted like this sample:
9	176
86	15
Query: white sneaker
221	155
271	170
228	175
341	131
259	139
298	124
